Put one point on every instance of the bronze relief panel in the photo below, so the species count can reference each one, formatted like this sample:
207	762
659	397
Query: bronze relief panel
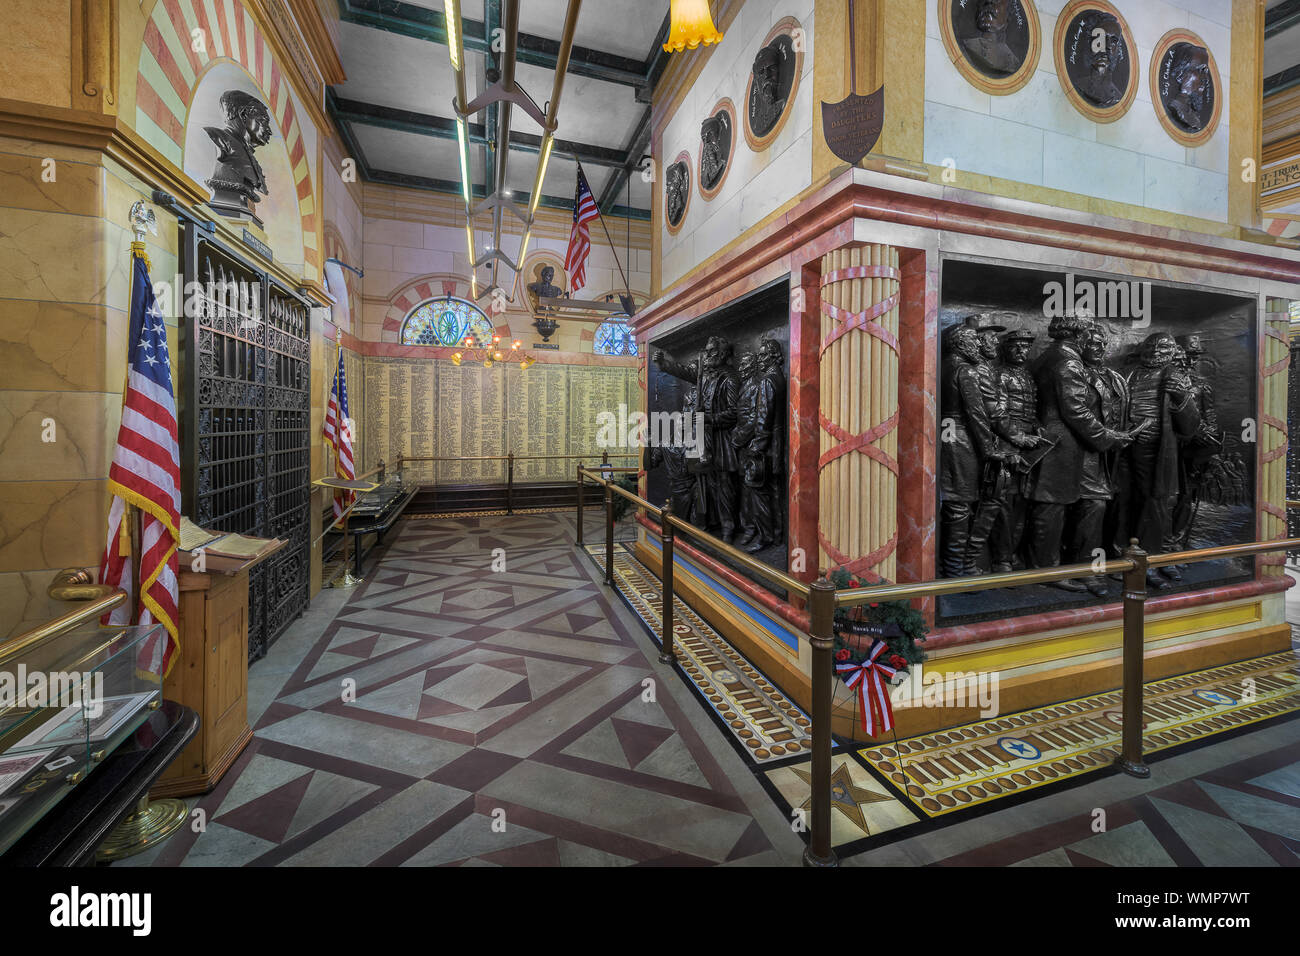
677	191
717	146
773	79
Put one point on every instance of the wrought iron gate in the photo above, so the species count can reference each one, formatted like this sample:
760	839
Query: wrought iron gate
245	415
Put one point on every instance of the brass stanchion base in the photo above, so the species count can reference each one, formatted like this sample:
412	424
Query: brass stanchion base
146	826
813	860
347	581
1140	770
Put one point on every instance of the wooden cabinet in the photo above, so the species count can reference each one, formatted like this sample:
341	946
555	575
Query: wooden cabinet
210	677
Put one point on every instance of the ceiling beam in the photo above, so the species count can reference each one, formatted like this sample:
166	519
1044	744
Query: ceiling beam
343	120
636	148
409	20
425	124
1282	17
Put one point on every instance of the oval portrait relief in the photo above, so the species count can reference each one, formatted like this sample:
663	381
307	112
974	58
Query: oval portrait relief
717	143
1095	60
677	191
993	43
1185	87
773	79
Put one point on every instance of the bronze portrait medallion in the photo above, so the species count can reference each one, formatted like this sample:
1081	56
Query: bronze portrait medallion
993	43
1185	87
677	191
1095	60
717	144
771	80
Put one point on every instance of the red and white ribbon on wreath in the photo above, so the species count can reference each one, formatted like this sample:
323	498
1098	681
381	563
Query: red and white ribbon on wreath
868	679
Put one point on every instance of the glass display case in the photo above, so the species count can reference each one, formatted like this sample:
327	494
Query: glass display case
68	699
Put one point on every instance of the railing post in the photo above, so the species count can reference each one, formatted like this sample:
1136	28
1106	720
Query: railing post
580	504
609	535
1135	595
510	483
821	606
666	654
604	458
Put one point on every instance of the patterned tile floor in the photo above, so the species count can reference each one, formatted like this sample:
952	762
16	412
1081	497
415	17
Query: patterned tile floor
766	725
444	713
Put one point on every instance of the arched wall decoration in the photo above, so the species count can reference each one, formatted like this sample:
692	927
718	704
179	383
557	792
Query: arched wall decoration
683	158
724	107
446	321
1156	67
1064	21
994	85
614	337
169	71
790	27
435	286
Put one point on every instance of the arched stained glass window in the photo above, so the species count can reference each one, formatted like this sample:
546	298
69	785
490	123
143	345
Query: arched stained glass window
614	337
446	321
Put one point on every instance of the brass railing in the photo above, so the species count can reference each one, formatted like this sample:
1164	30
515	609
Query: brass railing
510	460
823	600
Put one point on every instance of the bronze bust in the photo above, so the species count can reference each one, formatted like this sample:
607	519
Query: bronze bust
715	148
238	177
545	288
1188	95
1100	76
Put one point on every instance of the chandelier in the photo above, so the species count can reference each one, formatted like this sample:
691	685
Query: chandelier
492	354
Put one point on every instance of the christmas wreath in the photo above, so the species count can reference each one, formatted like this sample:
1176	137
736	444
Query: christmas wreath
874	644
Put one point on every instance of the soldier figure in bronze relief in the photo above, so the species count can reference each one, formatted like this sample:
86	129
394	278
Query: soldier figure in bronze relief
1199	449
746	413
1097	484
1018	425
969	441
996	475
1161	393
1071	412
763	458
680	468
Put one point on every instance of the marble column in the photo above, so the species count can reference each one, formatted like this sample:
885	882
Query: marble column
858	413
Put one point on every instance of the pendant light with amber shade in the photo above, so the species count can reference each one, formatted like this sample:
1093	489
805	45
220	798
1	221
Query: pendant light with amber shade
691	24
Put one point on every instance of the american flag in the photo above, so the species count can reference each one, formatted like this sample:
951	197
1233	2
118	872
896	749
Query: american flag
338	434
584	210
146	473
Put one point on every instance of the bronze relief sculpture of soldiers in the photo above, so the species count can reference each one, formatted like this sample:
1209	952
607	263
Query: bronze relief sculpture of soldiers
1018	425
1071	413
1198	450
1161	392
759	440
969	441
678	465
717	394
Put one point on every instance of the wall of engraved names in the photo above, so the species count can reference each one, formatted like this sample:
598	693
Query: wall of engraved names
432	408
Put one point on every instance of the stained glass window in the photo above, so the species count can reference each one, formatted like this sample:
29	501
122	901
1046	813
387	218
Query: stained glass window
614	337
446	321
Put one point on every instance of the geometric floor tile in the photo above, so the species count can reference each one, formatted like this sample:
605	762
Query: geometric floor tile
861	806
767	725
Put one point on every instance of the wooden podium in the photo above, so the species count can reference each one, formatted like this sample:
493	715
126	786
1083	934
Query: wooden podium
211	674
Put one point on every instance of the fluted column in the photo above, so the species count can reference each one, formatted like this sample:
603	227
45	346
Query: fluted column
1273	430
857	470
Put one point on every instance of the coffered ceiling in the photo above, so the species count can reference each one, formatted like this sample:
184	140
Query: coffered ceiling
395	107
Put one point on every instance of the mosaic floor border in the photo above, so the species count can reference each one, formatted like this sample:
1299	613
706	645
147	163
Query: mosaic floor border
766	726
943	778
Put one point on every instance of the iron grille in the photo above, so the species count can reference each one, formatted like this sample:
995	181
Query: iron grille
244	421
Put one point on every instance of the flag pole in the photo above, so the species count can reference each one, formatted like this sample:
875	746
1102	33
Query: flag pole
151	822
599	215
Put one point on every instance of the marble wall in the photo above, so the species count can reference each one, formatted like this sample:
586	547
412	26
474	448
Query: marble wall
414	238
757	182
64	294
1034	136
